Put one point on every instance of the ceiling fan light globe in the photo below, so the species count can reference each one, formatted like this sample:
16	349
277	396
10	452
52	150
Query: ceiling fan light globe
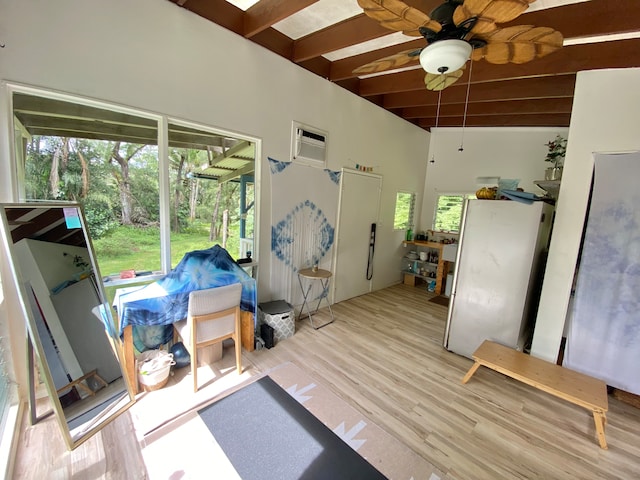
445	56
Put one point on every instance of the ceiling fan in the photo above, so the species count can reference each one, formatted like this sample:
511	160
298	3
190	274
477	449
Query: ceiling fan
456	31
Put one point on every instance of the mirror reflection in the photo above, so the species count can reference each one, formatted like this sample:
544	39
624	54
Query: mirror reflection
69	322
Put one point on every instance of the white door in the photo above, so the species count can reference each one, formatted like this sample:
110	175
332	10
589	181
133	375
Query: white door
357	210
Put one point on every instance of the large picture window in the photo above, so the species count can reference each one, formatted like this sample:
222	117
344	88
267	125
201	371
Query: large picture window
212	194
107	161
147	202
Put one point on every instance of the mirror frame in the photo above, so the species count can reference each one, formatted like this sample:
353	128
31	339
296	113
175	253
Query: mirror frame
121	404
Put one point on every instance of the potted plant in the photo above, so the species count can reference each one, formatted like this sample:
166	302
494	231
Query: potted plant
557	151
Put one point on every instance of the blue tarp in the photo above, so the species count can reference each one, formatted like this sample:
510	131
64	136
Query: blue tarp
166	301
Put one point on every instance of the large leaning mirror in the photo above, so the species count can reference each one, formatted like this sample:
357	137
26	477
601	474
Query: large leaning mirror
69	321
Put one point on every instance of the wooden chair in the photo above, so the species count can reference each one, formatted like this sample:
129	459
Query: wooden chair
214	316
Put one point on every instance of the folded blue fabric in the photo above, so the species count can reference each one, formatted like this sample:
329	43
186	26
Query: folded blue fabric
523	197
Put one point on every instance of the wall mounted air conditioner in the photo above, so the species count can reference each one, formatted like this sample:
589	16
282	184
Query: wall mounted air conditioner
308	145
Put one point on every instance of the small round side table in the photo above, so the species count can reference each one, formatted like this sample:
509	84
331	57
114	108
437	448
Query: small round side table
311	276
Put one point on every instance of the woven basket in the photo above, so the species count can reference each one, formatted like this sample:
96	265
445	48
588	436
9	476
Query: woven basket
152	387
154	367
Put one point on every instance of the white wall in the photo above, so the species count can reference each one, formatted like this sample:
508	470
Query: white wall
156	56
53	265
29	256
502	152
605	118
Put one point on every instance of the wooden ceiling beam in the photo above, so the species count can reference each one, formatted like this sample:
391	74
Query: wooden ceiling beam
393	83
63	234
275	41
351	84
596	17
318	65
535	120
218	11
232	18
514	107
349	32
559	86
265	13
619	54
49	216
571	59
14	214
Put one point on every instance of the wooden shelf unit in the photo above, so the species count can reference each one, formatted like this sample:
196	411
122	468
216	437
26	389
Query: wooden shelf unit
442	267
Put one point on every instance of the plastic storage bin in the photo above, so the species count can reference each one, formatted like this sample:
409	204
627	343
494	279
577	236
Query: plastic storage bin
280	316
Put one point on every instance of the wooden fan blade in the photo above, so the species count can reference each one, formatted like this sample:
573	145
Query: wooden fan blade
518	44
387	63
437	82
489	12
397	15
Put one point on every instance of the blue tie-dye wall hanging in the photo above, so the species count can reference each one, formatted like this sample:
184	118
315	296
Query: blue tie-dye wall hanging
304	207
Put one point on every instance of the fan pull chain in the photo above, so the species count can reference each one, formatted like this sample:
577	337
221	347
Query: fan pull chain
466	104
433	157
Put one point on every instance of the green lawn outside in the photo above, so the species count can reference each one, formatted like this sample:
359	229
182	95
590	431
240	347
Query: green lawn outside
136	248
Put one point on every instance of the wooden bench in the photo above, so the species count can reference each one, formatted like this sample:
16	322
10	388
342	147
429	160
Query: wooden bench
575	387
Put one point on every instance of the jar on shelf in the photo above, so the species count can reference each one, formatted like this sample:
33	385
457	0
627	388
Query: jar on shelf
408	265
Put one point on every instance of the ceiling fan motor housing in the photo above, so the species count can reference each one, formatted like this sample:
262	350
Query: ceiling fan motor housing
443	14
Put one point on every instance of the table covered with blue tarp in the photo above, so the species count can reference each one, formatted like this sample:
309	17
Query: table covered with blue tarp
166	301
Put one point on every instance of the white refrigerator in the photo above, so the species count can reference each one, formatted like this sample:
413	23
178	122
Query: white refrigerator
497	273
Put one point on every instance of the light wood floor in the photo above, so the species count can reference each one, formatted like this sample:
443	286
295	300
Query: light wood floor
384	356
